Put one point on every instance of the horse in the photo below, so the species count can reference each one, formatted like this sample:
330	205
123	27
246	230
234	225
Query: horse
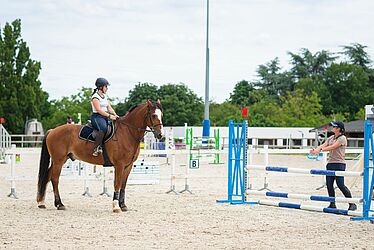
123	148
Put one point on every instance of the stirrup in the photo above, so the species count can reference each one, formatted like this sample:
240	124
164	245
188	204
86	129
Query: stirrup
98	150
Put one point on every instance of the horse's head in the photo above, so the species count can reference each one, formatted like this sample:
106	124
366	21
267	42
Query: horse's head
154	118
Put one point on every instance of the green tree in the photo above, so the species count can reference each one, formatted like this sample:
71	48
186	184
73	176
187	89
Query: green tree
357	55
272	80
181	105
307	65
220	114
60	109
349	89
22	95
241	93
265	113
300	110
139	94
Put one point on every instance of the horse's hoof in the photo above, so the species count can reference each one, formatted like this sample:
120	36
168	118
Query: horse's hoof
124	208
116	207
117	210
42	206
61	207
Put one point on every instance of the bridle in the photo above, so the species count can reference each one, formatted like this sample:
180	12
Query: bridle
145	130
153	126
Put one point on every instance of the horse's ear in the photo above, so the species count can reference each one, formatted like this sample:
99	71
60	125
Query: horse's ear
159	101
149	103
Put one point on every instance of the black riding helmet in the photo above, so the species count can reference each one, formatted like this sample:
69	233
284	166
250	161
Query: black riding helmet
101	82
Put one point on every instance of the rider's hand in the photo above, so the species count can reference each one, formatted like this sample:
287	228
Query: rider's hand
313	151
113	117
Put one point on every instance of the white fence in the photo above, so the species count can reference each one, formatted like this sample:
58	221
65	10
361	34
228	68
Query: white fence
5	141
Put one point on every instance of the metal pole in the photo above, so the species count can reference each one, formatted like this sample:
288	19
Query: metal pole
206	123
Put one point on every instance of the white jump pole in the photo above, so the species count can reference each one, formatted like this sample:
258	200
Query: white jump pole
172	175
86	188
105	188
266	162
13	176
170	147
186	186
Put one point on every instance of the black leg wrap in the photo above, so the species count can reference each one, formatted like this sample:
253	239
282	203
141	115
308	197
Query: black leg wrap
116	196
122	197
58	203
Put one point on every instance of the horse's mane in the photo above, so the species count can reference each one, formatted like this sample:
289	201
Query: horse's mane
154	104
132	108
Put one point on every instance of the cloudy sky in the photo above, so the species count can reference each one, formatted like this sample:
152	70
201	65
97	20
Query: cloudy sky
163	41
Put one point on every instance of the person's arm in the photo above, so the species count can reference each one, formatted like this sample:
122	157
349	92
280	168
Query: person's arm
337	144
96	104
318	149
111	110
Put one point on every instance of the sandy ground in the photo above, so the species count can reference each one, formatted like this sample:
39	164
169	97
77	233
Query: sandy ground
157	220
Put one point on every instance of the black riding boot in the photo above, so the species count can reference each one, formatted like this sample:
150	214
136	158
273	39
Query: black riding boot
98	141
332	205
352	207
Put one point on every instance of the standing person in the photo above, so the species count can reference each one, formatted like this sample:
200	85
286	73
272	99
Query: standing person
102	112
336	145
69	120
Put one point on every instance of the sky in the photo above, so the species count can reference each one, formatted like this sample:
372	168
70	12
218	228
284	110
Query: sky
163	41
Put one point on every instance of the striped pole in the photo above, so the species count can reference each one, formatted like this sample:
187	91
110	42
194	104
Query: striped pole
304	171
305	197
310	208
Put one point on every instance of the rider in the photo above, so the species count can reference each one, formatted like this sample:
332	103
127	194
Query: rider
102	113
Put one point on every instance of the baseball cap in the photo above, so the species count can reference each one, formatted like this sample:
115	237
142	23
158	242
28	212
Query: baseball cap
338	124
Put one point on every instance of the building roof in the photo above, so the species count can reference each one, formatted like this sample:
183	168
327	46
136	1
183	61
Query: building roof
350	127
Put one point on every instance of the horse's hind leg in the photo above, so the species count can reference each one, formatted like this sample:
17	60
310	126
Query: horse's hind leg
55	178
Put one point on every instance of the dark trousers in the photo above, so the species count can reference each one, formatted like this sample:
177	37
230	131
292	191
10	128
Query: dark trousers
339	180
99	122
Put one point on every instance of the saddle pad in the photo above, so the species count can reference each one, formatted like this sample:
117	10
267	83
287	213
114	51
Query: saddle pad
87	133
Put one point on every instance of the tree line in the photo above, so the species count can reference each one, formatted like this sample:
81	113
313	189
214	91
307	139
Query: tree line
316	88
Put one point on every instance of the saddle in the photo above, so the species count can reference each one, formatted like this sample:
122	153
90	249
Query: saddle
88	133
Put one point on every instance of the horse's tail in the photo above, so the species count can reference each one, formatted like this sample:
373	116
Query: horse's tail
43	170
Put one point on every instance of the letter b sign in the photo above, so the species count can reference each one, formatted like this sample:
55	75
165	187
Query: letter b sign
194	163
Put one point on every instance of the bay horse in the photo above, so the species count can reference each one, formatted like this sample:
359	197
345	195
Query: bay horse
123	149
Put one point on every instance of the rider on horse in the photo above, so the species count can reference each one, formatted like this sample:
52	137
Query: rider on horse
102	113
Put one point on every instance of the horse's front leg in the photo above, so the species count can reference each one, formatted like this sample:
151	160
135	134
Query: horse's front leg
117	184
125	176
